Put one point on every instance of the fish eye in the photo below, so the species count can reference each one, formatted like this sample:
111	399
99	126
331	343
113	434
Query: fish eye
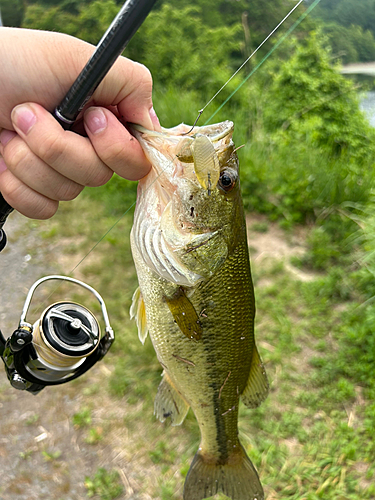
227	180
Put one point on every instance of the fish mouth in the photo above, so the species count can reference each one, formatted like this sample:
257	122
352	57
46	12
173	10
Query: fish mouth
214	132
200	146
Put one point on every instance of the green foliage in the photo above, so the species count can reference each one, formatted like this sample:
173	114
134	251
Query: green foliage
161	454
349	12
95	435
82	418
311	151
313	102
105	484
351	44
350	26
50	456
196	57
12	12
118	196
86	21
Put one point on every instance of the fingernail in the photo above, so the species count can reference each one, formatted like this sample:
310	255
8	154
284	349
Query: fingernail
154	119
23	118
3	166
6	136
96	120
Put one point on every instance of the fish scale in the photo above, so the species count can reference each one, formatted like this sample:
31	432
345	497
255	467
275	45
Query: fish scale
202	327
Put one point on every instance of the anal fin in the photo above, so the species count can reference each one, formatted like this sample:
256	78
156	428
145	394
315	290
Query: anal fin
138	312
170	403
257	386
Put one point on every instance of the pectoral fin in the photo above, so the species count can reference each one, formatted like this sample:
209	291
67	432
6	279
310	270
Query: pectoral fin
138	312
170	403
256	389
185	315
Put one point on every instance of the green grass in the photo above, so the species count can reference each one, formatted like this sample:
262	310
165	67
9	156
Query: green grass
311	439
104	484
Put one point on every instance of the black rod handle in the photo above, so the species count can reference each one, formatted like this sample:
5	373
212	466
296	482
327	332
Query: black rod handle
112	44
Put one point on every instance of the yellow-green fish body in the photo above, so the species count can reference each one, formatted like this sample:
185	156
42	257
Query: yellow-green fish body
196	299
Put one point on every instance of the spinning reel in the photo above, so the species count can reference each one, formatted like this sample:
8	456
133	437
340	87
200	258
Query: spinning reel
60	346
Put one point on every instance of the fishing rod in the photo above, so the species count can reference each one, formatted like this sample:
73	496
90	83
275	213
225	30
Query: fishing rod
65	341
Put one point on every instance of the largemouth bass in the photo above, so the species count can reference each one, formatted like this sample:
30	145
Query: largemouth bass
196	299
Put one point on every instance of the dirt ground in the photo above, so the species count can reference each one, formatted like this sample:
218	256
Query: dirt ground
42	454
31	425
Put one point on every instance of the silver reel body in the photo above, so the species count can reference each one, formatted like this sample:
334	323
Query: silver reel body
61	345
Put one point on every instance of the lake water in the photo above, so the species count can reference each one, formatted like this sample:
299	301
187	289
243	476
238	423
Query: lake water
368	106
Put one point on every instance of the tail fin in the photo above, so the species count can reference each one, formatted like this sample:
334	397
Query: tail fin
237	479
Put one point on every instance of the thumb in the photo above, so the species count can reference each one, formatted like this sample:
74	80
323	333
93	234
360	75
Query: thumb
131	84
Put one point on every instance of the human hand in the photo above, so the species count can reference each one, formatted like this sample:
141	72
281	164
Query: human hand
43	164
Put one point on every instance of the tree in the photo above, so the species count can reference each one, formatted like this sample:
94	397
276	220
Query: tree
348	13
313	101
90	23
351	44
12	12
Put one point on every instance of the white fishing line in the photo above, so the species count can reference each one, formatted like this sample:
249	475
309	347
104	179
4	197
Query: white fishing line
250	56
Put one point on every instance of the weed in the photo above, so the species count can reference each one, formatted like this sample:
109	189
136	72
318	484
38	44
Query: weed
95	435
260	227
82	418
25	455
161	454
33	419
50	456
105	484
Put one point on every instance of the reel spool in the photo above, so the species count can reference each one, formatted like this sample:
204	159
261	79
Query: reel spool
60	346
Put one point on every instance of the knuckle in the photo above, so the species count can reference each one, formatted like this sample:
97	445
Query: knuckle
52	150
28	202
11	190
101	177
68	191
144	79
46	209
115	154
17	156
144	74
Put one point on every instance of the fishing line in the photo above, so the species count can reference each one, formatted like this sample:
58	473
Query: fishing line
291	29
278	43
250	56
70	274
200	112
